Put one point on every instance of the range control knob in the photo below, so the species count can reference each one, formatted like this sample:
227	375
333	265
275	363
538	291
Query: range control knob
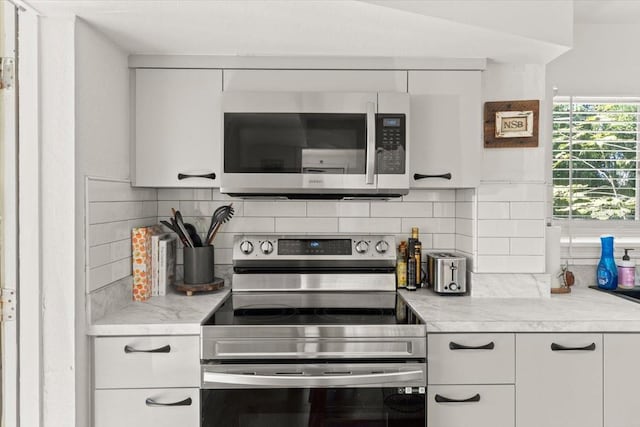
266	247
246	247
362	247
382	247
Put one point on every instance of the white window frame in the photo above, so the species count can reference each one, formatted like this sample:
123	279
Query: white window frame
581	237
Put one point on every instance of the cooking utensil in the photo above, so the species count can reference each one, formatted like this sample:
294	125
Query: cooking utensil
222	215
214	220
193	233
175	229
180	223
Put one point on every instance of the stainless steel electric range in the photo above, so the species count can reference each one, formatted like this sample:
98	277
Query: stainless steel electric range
313	334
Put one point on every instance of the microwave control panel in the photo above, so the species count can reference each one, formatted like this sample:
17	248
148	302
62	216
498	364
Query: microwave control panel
391	143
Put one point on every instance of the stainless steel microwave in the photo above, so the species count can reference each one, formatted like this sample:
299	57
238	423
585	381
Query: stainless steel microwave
315	145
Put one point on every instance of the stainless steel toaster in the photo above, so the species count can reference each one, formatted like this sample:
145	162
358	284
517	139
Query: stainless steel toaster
447	272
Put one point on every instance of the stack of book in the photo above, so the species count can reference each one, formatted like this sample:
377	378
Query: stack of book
153	261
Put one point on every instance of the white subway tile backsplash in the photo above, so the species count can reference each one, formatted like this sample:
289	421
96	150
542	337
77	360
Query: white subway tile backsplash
149	208
306	225
493	210
465	210
338	209
441	241
510	228
416	195
464	226
493	246
110	252
250	225
429	225
464	244
108	232
184	194
527	210
277	208
444	209
465	195
509	264
527	246
109	273
369	225
120	191
402	209
511	192
101	212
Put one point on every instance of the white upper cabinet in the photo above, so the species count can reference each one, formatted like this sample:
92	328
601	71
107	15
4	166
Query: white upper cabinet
316	80
446	128
177	128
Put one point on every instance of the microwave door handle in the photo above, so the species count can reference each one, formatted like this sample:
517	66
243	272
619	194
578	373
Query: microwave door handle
211	379
371	142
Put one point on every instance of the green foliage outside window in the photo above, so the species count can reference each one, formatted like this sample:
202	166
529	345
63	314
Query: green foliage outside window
595	158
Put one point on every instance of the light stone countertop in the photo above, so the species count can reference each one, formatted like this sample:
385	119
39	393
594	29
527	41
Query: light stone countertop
582	310
173	314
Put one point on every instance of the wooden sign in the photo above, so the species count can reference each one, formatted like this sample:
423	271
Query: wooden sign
511	124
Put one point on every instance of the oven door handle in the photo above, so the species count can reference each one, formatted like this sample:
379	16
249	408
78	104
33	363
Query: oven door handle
329	380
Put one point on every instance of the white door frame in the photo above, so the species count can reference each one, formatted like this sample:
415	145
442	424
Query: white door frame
9	225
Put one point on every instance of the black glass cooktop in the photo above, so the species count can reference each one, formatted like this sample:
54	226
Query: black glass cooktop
312	308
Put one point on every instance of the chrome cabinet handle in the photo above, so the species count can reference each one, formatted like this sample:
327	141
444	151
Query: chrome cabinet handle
417	176
443	399
182	176
185	402
165	349
558	347
456	346
371	142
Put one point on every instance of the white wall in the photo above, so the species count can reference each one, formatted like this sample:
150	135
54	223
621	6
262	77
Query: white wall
58	158
101	149
603	62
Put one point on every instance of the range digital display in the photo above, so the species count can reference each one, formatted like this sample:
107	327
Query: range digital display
314	247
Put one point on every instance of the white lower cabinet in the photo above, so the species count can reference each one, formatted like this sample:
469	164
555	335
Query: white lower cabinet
559	380
470	405
147	381
147	407
621	380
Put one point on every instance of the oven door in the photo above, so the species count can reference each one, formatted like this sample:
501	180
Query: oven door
336	395
292	142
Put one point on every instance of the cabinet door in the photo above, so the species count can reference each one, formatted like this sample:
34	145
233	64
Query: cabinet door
147	407
316	80
470	406
446	128
177	127
621	380
559	380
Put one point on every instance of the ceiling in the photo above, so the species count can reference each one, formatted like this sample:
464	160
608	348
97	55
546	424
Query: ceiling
620	12
369	28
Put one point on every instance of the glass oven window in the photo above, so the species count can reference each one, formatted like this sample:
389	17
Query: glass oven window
321	407
295	143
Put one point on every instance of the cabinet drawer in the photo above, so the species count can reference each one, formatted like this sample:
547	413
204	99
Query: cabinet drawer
137	362
471	358
147	407
488	405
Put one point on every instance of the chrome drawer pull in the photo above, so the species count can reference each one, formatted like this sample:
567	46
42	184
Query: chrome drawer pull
456	346
165	349
558	347
442	399
186	402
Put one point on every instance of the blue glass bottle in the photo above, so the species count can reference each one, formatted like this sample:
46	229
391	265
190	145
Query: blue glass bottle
607	273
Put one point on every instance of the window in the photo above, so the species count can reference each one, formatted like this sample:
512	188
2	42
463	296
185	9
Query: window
595	158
